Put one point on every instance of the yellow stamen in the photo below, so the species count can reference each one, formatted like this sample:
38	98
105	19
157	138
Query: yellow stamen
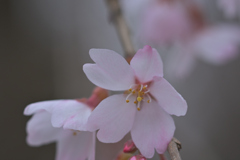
139	99
135	102
148	101
130	90
138	109
144	87
133	91
127	100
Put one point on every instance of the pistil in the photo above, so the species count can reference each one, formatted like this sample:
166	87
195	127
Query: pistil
142	91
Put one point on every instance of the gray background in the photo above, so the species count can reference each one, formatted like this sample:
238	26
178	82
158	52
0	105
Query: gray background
43	45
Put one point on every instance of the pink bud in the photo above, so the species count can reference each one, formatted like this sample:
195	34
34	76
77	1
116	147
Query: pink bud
138	157
124	156
97	96
129	147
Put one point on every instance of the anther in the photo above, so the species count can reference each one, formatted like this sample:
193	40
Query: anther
135	102
128	97
130	90
149	98
138	109
133	92
139	99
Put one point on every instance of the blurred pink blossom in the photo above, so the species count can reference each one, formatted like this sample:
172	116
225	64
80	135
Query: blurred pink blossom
144	107
165	22
182	27
216	45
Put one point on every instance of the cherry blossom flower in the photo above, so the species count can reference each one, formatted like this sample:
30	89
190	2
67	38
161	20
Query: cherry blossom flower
230	7
64	122
217	44
73	142
144	107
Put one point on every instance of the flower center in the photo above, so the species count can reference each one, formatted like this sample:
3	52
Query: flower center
141	92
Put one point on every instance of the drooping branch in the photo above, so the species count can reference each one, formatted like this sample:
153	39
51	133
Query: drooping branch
173	149
121	26
124	34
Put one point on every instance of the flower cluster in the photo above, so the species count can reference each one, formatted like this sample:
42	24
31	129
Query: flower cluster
145	100
143	109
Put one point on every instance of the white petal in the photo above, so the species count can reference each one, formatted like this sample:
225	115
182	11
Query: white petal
74	146
114	117
146	64
71	114
38	106
111	70
40	130
167	97
153	129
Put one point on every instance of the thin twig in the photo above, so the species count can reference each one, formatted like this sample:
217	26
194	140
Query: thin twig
173	149
123	32
121	26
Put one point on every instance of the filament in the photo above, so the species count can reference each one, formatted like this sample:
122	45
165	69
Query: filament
149	99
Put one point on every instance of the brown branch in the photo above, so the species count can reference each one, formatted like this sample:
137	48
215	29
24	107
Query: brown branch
173	149
123	32
121	26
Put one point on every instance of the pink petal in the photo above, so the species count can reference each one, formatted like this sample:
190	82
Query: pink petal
74	146
167	97
71	114
111	70
114	117
40	131
38	106
147	63
152	128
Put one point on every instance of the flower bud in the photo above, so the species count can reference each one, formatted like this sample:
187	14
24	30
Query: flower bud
129	147
97	96
138	157
124	156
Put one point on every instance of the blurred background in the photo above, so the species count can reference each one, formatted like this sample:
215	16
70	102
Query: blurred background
43	46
